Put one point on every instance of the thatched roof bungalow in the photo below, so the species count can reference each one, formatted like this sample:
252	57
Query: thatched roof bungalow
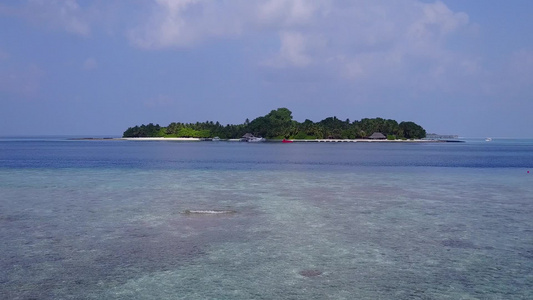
377	136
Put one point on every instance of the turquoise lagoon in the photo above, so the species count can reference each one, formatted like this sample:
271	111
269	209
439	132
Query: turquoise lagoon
107	220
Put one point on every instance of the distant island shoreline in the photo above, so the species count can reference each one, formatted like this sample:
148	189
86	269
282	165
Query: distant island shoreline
278	125
182	139
297	140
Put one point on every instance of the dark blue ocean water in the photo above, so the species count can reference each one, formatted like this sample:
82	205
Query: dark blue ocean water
64	153
107	220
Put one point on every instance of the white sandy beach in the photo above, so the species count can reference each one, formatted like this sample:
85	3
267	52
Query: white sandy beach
296	141
161	139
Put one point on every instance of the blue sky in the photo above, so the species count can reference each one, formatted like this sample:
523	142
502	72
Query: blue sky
98	67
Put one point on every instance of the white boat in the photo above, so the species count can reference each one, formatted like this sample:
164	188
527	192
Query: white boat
256	139
488	140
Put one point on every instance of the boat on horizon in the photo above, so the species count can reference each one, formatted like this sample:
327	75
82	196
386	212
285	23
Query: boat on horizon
250	138
488	139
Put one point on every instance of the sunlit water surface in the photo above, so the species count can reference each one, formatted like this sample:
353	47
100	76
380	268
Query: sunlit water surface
170	220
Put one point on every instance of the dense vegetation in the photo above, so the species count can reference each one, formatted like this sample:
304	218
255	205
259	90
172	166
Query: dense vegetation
278	124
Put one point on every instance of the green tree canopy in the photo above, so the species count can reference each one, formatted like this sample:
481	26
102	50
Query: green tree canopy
412	130
279	123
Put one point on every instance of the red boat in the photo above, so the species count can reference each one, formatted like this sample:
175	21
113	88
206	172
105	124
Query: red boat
286	141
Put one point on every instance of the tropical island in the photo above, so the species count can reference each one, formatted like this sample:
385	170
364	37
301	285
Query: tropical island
278	124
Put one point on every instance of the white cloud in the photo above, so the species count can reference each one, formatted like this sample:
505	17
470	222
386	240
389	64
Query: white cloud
287	12
293	51
63	14
293	46
183	23
437	20
357	38
70	17
353	40
402	43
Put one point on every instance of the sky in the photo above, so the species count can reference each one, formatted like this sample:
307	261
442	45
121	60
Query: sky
91	68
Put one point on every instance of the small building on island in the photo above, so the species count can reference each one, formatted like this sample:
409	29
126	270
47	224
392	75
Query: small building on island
377	136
